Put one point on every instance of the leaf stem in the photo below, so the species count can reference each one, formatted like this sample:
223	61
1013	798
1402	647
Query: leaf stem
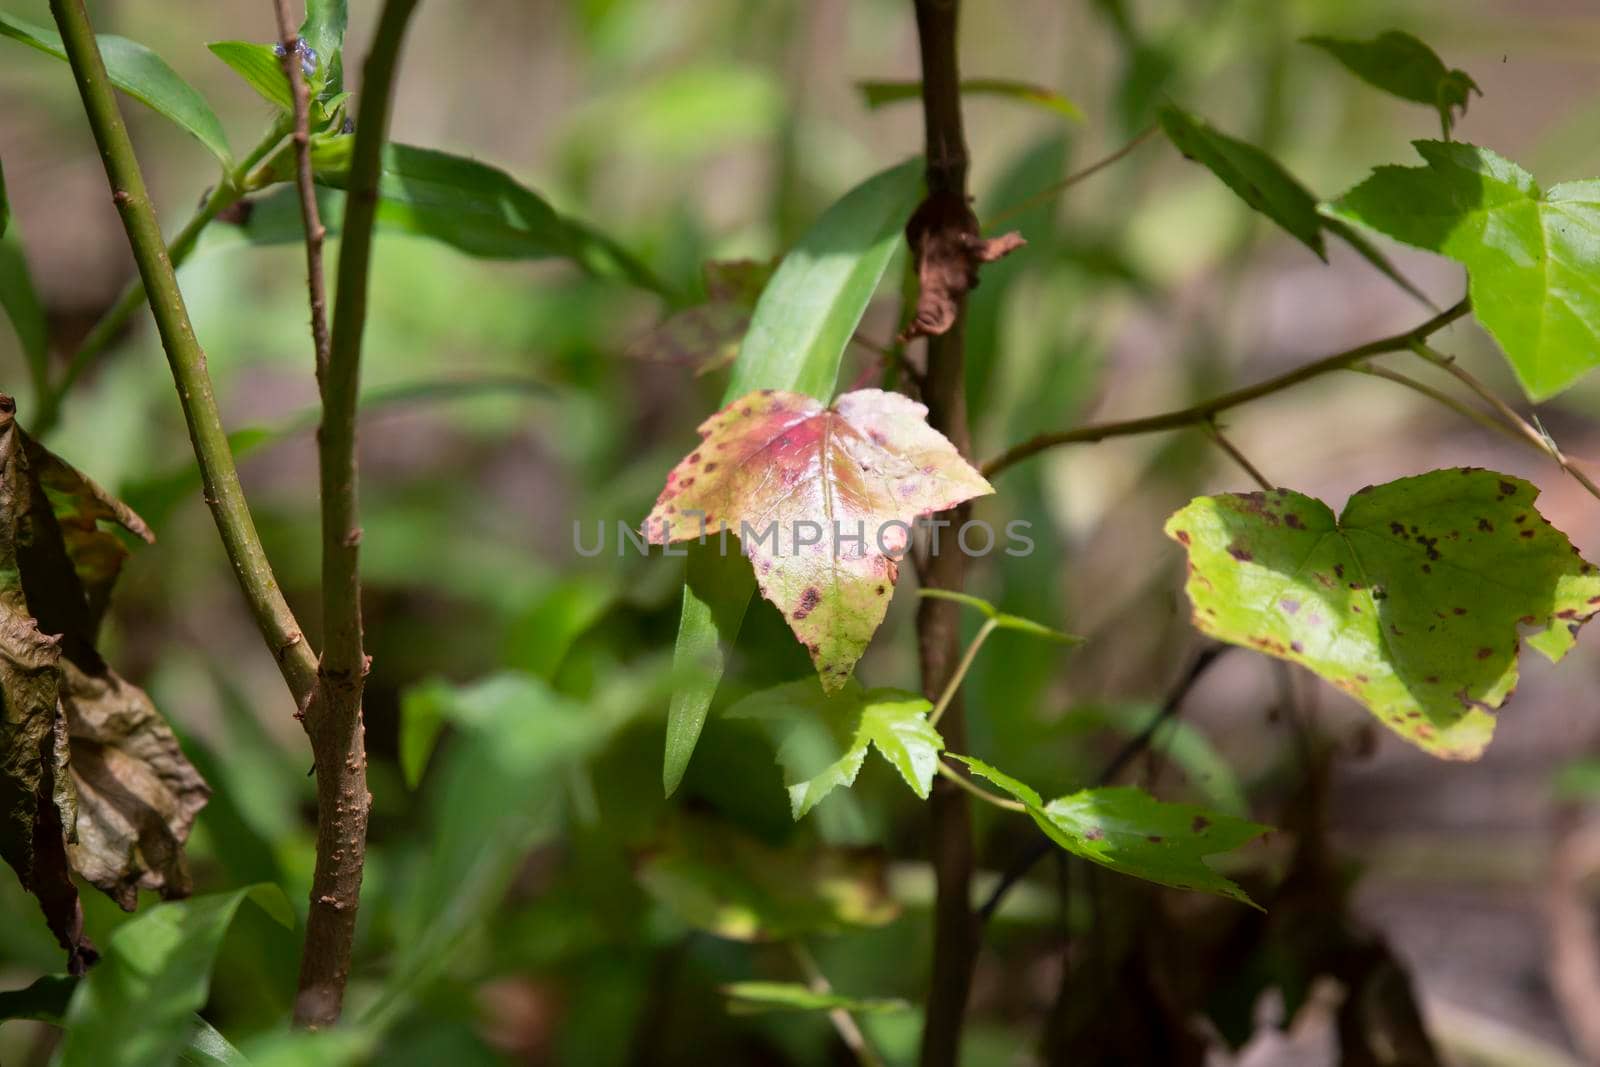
849	1030
948	772
1201	412
224	195
223	492
1050	192
1237	456
333	718
310	218
954	683
1525	429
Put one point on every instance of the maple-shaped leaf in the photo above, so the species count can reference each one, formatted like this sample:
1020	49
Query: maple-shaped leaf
822	500
1414	600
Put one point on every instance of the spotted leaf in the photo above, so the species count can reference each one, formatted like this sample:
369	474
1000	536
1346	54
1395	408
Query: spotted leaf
821	500
1411	601
1129	830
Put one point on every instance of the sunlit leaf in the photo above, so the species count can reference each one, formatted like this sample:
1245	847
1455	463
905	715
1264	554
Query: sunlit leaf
1263	183
1130	831
260	67
141	74
878	93
823	737
716	879
1403	66
753	998
822	500
1532	256
156	974
1411	601
797	337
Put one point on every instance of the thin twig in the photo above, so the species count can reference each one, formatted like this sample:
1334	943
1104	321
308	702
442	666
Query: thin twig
954	684
1197	413
1052	191
968	786
1482	418
223	493
310	216
223	196
333	720
1528	431
845	1023
1237	456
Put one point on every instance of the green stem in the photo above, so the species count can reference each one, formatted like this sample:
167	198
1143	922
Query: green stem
223	492
961	780
954	683
333	719
227	193
845	1023
1202	412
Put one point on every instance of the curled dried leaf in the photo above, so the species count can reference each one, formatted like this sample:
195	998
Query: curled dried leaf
948	249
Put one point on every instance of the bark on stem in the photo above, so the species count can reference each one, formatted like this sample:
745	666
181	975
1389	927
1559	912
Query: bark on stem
938	621
333	717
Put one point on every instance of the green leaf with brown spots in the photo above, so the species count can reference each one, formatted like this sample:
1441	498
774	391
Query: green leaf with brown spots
717	879
1412	600
823	737
1130	831
821	500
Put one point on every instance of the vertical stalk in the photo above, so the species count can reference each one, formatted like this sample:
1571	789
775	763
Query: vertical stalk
223	493
938	621
333	718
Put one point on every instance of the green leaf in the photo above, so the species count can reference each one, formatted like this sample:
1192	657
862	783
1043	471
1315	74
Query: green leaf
156	973
797	337
340	1047
717	587
823	737
323	32
1178	741
823	499
47	998
753	998
1001	619
1403	66
1532	257
715	878
21	302
141	74
44	1001
1263	183
261	69
815	300
878	93
475	208
1130	831
1411	600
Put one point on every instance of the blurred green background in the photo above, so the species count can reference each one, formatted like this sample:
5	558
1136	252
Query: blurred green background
532	899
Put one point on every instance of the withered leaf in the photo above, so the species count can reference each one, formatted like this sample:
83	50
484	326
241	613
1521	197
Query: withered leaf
822	500
948	249
91	778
